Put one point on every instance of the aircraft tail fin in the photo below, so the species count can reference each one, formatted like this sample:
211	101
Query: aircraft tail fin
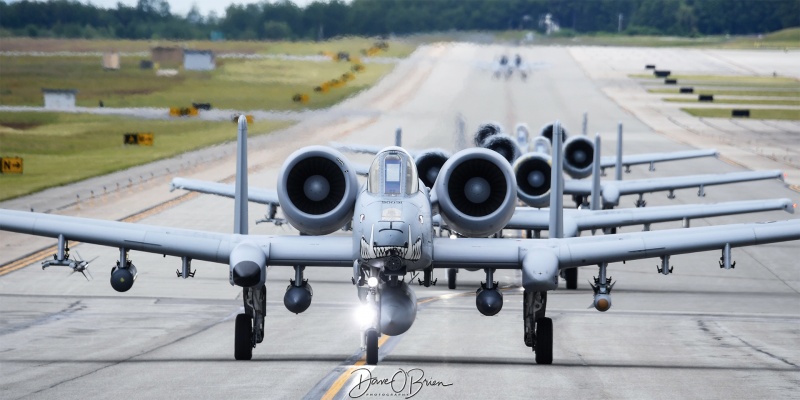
240	222
618	168
595	202
557	185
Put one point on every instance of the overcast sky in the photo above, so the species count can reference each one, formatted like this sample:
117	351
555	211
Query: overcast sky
182	6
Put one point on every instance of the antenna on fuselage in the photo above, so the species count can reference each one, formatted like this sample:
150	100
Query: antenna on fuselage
557	185
398	137
240	199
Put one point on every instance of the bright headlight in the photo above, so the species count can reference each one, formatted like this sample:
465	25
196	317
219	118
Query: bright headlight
365	315
372	282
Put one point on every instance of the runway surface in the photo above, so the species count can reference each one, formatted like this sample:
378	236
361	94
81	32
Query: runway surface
701	332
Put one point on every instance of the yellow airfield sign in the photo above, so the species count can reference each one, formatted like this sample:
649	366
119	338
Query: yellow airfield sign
11	165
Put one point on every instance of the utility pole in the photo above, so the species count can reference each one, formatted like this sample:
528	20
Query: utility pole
619	24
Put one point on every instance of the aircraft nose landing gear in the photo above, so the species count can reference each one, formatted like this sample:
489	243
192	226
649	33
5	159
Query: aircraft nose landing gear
250	324
538	328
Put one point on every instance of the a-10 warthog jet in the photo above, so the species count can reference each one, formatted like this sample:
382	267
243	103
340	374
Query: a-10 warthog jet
392	236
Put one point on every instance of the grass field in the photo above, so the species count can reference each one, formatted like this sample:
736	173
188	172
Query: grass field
726	80
353	45
754	113
237	83
717	100
61	148
731	92
723	87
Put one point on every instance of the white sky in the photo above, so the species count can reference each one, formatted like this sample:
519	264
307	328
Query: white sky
182	6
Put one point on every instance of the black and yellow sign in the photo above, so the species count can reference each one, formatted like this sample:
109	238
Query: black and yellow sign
300	98
141	139
11	165
182	112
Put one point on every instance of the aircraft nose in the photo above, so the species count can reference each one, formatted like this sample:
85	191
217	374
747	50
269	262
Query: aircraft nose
390	234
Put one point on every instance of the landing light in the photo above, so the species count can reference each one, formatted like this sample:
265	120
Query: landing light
365	315
453	236
372	282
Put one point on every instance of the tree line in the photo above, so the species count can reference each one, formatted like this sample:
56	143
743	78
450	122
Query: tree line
153	19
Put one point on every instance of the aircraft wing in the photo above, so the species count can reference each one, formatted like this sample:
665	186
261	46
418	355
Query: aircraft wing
576	221
256	195
195	244
361	169
357	148
635	159
591	250
612	190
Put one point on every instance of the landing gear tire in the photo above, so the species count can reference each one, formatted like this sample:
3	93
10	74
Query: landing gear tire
243	346
544	341
571	276
451	278
372	347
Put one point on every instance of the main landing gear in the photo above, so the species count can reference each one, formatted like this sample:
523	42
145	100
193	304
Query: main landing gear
570	275
250	324
451	278
538	328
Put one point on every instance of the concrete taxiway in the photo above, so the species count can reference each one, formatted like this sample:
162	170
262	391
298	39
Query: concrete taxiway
699	333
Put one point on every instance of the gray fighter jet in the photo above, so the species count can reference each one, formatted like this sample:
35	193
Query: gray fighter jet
392	236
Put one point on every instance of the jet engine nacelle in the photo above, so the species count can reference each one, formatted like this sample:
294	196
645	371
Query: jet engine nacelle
476	192
485	131
578	157
398	308
547	131
504	145
429	164
317	190
532	172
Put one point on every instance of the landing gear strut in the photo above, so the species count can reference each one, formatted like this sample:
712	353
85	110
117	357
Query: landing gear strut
451	278
538	328
369	283
250	324
571	277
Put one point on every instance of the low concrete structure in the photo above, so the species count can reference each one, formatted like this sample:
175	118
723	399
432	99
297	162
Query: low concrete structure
166	57
59	98
198	60
111	60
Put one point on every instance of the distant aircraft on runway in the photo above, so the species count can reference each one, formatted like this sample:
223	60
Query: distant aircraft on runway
392	236
506	66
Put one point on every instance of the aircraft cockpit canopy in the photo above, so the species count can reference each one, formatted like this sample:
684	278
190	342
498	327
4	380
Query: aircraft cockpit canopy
393	173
